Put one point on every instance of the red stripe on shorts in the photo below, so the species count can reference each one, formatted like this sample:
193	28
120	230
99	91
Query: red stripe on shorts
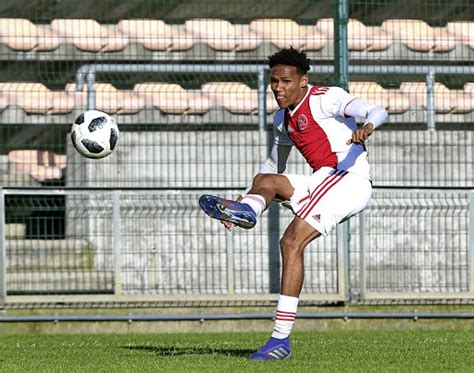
315	192
317	198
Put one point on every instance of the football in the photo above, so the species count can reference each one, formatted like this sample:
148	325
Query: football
94	134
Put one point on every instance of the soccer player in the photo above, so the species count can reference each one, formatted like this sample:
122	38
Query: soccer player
319	122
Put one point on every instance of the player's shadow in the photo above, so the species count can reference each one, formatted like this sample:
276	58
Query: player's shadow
177	351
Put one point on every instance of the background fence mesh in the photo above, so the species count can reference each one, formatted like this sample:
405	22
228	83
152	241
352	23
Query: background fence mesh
189	124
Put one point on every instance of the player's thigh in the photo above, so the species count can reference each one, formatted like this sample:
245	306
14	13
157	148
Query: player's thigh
299	234
279	184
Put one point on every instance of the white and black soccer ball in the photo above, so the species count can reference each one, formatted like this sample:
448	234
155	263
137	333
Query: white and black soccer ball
94	134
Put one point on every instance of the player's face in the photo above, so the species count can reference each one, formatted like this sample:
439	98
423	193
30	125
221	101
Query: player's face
288	86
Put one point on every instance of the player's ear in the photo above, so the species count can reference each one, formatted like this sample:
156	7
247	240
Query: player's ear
304	81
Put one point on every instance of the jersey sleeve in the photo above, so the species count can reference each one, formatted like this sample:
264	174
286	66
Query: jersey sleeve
334	101
280	137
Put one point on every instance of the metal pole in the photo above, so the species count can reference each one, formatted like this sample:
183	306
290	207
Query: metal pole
90	90
3	257
229	240
430	100
341	50
361	255
117	243
342	261
470	254
262	101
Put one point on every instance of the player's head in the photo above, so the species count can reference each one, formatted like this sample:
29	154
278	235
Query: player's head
289	79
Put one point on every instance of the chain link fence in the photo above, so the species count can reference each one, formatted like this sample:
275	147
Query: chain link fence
188	85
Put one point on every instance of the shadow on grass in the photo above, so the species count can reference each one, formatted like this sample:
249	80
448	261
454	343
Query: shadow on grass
176	351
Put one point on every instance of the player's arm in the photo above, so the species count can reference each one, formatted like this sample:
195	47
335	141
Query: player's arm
374	116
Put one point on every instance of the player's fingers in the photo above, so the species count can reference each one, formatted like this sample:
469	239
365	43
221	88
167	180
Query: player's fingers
227	225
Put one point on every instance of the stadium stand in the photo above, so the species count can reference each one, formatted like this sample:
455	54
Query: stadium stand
236	97
221	35
40	164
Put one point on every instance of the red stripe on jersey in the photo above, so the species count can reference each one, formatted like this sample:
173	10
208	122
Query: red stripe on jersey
315	200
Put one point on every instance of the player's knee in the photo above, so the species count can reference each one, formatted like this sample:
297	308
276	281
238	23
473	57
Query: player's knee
261	180
290	247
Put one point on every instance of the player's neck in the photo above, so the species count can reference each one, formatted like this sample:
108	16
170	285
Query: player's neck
301	97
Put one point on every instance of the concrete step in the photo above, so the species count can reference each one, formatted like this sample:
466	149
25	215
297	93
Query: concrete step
56	281
15	231
49	255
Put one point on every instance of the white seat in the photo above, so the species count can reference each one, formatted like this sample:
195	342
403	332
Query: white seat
89	35
108	99
417	35
417	92
282	32
153	34
463	32
235	97
462	101
172	98
219	34
18	33
41	165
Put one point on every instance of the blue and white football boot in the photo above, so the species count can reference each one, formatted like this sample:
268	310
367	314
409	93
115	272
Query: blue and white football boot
274	349
233	212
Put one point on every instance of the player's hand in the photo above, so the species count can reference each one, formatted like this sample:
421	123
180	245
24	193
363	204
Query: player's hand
227	225
362	134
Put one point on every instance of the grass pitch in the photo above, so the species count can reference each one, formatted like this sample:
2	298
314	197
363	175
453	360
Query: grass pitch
338	351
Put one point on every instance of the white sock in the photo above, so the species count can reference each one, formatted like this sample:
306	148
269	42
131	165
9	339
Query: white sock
285	317
256	202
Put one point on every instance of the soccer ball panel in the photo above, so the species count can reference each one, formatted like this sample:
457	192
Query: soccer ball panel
94	134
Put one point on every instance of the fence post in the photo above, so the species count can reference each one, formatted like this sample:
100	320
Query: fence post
341	51
343	259
430	100
117	244
229	240
262	100
361	255
3	257
470	254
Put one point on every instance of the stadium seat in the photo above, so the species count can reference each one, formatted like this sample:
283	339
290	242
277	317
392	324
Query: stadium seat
462	102
417	93
36	98
463	32
3	101
172	98
392	100
89	35
18	33
156	35
360	37
279	31
418	36
41	165
219	34
371	92
237	98
48	40
108	99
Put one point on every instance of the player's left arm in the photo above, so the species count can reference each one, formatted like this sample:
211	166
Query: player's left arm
374	116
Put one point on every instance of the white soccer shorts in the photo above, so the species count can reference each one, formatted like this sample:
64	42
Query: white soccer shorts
328	197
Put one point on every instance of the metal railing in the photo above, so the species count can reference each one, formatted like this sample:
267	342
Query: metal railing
86	74
156	245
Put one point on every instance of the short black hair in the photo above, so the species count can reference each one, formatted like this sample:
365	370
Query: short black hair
291	57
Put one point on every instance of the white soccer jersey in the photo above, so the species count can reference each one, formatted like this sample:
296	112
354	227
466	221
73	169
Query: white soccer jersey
319	129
